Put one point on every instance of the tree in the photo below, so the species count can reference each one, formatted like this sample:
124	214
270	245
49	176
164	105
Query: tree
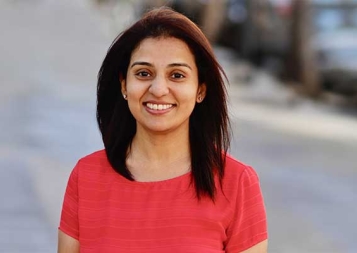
303	64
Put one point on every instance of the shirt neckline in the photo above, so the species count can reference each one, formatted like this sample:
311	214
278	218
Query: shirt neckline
184	177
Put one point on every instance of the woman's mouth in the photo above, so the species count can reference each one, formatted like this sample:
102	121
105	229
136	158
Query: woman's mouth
158	107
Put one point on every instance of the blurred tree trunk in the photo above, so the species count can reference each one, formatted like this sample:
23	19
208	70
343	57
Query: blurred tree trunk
212	18
303	65
158	3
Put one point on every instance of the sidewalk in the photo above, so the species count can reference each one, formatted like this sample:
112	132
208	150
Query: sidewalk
23	224
51	53
256	96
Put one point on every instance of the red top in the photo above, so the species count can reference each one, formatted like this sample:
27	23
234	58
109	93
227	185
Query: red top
108	213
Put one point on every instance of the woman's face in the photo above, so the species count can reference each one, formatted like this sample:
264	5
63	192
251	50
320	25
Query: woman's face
162	85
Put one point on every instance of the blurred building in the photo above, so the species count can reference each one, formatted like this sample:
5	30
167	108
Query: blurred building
293	39
324	45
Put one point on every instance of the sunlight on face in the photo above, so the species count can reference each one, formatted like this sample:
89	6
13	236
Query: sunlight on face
162	85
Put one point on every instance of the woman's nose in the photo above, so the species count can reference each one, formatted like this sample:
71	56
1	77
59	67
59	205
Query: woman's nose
159	86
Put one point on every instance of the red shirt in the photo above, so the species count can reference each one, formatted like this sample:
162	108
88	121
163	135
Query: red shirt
108	213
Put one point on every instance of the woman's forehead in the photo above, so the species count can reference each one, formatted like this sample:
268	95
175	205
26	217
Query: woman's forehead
163	48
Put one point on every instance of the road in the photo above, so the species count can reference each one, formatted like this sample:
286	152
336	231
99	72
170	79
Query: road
304	151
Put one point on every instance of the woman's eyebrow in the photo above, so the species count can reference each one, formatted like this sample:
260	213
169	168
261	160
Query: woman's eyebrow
176	64
179	65
141	63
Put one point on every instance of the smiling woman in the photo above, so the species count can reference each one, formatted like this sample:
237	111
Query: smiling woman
162	90
164	181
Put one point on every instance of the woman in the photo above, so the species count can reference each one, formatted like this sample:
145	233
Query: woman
164	182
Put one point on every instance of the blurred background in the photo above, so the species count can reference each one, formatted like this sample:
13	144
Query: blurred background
292	69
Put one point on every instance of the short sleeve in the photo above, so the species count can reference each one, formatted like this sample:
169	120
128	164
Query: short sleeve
249	224
69	216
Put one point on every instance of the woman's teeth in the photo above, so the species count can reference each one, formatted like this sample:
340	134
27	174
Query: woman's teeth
158	106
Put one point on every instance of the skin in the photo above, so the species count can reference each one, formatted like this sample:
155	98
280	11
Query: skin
67	244
162	71
261	247
162	74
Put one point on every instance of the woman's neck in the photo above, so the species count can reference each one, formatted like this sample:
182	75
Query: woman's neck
155	157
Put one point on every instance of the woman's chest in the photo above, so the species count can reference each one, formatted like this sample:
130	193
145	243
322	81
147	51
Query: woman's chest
122	218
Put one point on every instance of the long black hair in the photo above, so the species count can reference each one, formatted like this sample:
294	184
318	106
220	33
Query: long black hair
209	124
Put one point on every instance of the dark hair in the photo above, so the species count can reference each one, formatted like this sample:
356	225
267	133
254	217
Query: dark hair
209	124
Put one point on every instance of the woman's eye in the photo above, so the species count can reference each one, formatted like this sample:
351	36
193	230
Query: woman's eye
143	74
177	76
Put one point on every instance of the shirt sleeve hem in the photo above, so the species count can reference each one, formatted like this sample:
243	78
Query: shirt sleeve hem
67	232
254	241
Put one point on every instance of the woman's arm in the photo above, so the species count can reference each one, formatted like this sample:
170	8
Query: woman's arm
261	247
67	244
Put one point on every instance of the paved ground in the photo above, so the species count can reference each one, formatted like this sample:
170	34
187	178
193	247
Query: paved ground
305	152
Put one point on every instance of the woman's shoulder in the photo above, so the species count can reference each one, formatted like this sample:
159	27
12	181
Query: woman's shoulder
235	166
95	156
240	180
236	170
96	161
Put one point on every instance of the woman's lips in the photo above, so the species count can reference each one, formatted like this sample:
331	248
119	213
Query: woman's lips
158	107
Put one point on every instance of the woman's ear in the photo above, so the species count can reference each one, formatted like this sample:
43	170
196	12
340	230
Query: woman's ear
201	94
123	86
